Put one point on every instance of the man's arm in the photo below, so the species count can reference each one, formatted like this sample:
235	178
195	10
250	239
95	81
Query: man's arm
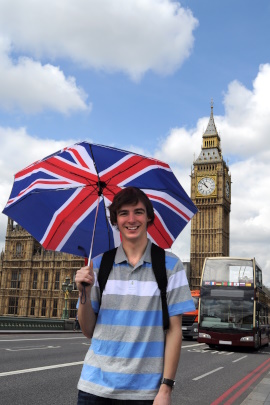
171	359
86	315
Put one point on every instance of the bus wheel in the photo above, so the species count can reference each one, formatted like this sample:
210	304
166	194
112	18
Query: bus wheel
211	346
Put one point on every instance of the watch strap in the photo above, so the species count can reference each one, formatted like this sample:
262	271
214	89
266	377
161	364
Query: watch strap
167	381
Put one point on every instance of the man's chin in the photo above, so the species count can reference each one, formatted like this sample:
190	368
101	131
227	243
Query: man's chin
132	235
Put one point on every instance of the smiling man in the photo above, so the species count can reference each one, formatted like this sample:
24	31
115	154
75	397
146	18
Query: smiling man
129	360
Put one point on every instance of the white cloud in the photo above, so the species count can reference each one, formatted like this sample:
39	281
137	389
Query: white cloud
132	36
179	146
245	127
245	141
32	87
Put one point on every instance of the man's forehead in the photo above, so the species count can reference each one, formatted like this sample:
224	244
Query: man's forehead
133	206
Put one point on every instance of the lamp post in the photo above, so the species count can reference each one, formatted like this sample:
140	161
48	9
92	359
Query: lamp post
67	287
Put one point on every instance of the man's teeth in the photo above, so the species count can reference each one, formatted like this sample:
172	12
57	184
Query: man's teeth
132	228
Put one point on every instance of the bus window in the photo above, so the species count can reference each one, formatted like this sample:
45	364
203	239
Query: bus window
258	277
227	314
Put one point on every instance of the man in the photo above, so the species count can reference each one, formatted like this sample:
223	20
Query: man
128	356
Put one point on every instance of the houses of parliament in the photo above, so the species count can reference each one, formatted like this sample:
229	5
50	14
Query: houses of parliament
31	277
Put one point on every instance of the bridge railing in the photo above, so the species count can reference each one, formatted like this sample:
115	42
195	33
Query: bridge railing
24	323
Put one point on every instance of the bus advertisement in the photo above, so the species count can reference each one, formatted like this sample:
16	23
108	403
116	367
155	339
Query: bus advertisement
190	319
234	304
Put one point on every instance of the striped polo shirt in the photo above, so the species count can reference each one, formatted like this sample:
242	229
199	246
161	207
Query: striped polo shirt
125	358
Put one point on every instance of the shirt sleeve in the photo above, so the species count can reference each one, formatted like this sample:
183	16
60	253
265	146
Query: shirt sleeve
179	297
95	292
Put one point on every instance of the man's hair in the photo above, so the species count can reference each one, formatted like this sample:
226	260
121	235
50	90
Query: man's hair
130	196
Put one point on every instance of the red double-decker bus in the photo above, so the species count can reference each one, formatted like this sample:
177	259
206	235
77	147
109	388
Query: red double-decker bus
234	304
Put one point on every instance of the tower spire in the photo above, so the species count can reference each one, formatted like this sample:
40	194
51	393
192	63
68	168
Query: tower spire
211	127
211	145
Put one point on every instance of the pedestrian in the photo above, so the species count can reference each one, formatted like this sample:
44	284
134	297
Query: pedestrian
131	360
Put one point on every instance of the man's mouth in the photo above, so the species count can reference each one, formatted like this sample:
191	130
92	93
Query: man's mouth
132	228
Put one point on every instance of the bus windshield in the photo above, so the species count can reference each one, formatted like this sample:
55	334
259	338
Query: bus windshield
219	313
232	271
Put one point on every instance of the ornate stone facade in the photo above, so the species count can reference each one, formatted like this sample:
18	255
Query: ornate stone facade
31	278
211	193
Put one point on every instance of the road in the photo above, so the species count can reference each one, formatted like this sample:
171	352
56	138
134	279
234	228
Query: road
44	369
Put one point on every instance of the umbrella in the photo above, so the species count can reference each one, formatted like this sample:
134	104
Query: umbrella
62	200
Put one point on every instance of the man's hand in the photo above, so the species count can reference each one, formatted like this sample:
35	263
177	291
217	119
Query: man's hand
86	315
85	275
163	396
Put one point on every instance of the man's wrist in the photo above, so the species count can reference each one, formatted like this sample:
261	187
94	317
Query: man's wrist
168	383
165	390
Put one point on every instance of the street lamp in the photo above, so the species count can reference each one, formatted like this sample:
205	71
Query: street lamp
67	287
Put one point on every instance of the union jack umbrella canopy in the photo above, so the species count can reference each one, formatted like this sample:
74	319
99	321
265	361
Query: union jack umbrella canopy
62	199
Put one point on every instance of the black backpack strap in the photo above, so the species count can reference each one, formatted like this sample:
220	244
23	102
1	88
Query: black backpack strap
159	268
105	269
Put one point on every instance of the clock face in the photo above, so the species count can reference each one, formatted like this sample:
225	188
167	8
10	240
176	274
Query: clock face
206	186
227	188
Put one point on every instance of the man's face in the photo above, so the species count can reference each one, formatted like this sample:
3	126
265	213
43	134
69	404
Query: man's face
132	221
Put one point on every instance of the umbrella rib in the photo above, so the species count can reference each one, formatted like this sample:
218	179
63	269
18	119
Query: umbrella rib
108	227
106	218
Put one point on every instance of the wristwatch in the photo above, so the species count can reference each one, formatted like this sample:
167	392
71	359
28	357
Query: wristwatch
167	381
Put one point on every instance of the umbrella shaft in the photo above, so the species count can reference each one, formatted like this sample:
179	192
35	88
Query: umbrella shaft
93	235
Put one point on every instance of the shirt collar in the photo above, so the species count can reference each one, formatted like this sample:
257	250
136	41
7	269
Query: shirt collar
121	256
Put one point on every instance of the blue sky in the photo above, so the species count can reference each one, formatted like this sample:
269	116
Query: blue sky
140	75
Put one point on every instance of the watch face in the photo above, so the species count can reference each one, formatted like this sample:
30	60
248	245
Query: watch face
206	186
227	189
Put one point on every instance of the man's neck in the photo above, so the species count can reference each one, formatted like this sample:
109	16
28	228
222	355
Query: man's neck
134	250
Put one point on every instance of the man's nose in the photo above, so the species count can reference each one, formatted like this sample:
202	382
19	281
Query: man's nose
131	217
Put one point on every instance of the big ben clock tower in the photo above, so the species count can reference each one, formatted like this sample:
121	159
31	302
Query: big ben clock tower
211	193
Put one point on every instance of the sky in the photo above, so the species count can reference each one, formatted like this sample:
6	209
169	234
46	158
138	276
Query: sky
140	75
